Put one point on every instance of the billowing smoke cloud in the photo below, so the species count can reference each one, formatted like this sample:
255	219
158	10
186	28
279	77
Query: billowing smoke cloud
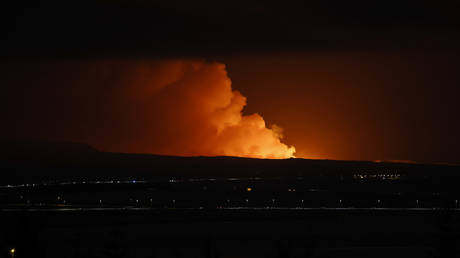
162	107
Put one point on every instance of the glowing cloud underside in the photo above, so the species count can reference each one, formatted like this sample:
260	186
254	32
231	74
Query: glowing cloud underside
170	107
203	115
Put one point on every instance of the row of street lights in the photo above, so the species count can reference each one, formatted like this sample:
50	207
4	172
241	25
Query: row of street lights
274	201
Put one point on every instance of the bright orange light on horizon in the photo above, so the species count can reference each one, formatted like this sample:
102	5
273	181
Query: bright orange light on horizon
188	108
167	107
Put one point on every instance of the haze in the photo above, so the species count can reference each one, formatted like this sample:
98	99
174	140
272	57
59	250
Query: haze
346	80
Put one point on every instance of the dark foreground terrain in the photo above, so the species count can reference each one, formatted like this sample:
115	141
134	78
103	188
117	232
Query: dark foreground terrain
69	200
231	233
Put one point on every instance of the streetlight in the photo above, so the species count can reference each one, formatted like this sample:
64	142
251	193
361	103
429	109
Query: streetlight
12	251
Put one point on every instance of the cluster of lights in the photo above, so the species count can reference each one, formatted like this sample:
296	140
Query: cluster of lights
377	176
75	183
131	181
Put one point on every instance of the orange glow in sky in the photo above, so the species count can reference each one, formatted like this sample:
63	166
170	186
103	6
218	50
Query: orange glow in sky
348	106
189	108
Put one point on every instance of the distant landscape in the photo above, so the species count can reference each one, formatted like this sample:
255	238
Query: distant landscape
99	204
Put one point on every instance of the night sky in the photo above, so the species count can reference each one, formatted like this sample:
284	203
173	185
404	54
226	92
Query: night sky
344	79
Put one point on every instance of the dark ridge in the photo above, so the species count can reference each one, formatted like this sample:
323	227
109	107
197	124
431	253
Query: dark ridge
60	161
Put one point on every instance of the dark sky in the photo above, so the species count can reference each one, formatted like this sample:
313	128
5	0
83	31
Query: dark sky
345	79
196	28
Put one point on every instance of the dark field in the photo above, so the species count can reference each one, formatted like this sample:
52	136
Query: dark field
231	233
84	203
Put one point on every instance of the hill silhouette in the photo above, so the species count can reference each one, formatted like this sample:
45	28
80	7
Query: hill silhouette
36	161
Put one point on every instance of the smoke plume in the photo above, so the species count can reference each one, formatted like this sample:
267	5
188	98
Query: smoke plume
163	107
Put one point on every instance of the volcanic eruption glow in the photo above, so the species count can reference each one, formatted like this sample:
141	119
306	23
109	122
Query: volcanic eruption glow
204	116
169	107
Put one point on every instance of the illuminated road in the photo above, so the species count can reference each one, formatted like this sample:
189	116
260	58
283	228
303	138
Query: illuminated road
67	209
